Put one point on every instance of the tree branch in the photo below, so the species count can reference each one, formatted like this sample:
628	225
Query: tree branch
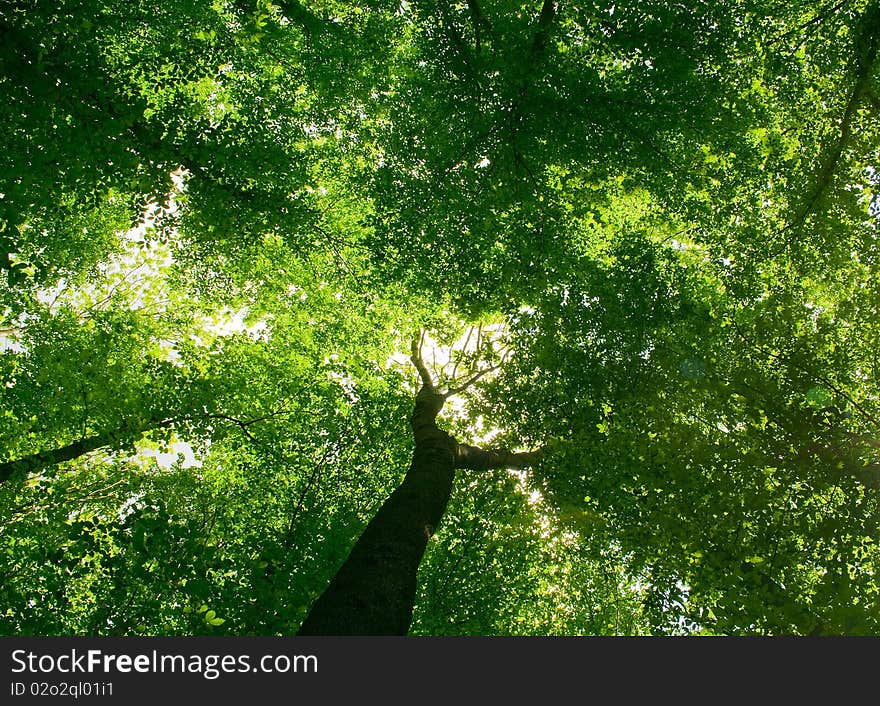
416	359
478	20
476	459
548	14
472	379
822	15
866	46
467	340
461	47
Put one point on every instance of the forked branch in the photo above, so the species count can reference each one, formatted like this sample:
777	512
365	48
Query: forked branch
417	361
472	379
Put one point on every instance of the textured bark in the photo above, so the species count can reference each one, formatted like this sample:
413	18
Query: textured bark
373	593
476	459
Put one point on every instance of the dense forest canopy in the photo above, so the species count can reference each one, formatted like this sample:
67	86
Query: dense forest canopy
618	261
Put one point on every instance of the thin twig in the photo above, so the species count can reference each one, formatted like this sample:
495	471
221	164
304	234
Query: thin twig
472	379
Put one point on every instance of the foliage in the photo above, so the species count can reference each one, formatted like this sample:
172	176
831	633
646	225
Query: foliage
221	223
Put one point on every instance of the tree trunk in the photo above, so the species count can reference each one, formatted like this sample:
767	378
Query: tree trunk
373	592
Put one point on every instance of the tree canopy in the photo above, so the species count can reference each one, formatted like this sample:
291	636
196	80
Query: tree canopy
632	246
